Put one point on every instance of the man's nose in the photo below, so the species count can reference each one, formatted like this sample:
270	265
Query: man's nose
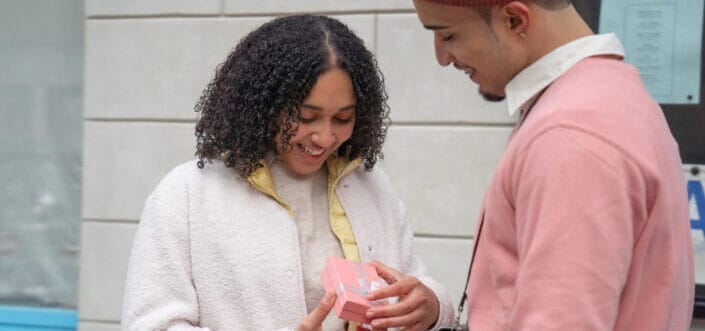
442	54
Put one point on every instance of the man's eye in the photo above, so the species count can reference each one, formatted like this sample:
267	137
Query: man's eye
447	38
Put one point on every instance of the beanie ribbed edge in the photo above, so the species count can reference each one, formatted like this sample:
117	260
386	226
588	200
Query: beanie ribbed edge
471	3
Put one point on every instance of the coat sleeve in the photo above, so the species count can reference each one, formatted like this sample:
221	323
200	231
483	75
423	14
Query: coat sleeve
159	293
410	264
577	200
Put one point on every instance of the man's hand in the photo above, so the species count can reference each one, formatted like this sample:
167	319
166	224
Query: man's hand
314	320
418	306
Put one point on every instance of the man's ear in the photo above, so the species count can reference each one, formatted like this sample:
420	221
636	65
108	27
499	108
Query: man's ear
516	16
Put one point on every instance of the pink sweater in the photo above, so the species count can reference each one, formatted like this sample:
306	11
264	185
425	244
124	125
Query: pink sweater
586	223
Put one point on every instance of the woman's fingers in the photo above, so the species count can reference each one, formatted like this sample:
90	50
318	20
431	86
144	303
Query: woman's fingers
390	275
418	308
314	320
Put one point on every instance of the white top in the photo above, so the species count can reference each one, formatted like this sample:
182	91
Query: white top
308	198
534	78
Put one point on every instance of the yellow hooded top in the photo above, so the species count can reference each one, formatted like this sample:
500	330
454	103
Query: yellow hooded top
338	166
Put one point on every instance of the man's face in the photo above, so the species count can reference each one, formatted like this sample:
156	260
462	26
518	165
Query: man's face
465	39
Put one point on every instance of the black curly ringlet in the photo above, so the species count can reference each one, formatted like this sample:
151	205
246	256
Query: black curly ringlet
260	87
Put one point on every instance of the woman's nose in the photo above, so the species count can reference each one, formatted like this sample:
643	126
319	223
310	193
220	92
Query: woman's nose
324	137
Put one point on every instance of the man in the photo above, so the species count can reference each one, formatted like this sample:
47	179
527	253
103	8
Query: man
585	223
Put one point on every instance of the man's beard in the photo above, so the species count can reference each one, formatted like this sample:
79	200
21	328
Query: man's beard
491	97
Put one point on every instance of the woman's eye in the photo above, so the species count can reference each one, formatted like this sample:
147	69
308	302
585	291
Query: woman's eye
306	119
343	120
447	38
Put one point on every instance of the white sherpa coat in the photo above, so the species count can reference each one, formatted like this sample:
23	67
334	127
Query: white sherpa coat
214	253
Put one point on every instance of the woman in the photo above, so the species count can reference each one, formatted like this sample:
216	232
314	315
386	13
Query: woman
289	133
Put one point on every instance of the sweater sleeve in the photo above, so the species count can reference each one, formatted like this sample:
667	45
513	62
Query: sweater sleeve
577	198
412	265
159	293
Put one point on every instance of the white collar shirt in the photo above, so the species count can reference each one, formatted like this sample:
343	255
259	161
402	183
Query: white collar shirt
529	82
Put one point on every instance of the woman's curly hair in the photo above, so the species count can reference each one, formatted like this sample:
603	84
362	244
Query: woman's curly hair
259	89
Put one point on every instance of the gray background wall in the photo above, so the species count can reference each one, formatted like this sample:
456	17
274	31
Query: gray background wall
146	63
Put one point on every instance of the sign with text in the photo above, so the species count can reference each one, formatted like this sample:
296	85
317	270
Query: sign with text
662	38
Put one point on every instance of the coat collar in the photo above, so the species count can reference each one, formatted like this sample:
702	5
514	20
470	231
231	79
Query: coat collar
261	179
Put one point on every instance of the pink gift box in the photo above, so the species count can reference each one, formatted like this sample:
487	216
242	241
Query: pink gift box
351	282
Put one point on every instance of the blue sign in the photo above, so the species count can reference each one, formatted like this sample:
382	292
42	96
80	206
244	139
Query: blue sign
696	195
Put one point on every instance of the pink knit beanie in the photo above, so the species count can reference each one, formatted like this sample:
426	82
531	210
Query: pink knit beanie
472	3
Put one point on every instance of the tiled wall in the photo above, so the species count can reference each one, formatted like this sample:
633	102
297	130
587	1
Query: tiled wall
146	65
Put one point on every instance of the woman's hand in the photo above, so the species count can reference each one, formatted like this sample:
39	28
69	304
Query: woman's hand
314	320
418	306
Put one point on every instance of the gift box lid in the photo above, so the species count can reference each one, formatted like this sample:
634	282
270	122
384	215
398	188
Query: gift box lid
351	281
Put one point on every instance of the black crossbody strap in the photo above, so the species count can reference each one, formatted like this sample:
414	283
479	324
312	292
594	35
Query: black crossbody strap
461	305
